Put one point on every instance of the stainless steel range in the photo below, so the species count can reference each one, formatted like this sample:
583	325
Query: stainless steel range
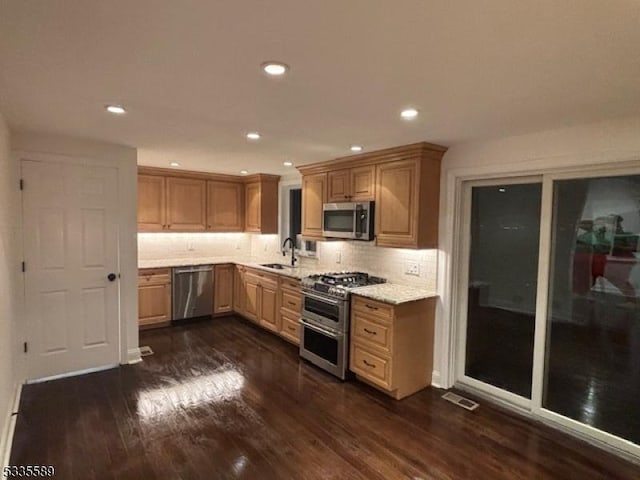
324	333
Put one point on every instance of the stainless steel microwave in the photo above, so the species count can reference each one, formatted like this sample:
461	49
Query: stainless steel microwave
353	220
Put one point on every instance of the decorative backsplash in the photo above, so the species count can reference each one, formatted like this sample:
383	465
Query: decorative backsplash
390	263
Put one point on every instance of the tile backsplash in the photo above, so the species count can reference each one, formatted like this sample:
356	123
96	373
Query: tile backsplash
390	263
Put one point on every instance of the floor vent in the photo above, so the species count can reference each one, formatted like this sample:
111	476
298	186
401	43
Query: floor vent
145	351
460	401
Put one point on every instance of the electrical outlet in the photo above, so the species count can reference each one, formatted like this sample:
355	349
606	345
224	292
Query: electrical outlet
190	247
412	268
237	245
338	256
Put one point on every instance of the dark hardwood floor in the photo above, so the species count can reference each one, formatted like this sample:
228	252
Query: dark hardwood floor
223	399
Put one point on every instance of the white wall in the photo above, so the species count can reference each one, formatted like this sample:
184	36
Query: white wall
606	143
10	282
46	147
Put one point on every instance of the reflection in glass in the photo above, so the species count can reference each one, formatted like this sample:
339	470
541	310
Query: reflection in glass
592	371
503	266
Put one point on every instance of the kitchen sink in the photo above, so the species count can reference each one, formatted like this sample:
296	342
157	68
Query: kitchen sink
276	266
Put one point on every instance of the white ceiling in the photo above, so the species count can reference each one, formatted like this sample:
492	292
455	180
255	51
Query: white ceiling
188	71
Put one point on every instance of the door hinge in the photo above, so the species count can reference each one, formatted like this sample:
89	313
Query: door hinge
24	267
21	184
26	347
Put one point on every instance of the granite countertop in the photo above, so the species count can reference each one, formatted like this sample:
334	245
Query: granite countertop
393	293
295	272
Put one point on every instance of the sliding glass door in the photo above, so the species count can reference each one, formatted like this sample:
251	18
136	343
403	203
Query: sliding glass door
549	309
592	368
502	267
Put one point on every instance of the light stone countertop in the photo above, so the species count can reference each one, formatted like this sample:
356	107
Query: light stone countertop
393	293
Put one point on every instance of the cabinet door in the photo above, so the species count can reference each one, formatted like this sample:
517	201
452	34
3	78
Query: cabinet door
252	300
186	204
314	194
396	203
239	290
339	186
223	288
154	304
269	317
225	206
363	183
151	203
252	207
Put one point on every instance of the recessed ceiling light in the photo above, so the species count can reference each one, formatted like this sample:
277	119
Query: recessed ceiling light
117	109
253	135
356	148
244	172
288	164
409	113
174	164
275	68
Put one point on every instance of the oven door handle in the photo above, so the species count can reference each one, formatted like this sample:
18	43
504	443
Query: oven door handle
324	331
323	299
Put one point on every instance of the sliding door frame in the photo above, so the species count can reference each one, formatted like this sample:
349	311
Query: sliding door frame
463	298
463	183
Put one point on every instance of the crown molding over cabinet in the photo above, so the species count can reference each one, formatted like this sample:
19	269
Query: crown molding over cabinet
404	182
172	200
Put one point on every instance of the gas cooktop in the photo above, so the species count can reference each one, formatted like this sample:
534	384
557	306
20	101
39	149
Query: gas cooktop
338	284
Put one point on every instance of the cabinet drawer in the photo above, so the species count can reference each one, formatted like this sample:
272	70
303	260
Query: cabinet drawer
265	279
381	311
370	366
154	276
291	301
290	283
373	333
290	328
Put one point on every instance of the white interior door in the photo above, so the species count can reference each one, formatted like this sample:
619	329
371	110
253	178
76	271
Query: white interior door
70	247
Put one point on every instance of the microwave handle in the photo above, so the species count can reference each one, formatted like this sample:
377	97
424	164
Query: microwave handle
359	220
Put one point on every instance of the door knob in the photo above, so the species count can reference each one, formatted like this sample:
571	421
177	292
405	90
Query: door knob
111	277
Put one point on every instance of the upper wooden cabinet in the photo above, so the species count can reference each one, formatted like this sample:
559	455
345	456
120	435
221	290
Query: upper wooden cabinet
186	204
314	194
351	184
404	181
183	201
261	204
151	203
225	210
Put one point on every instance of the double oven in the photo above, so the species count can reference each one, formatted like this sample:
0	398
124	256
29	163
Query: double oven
324	332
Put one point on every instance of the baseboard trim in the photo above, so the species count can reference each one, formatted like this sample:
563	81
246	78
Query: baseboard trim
435	379
72	374
6	441
133	355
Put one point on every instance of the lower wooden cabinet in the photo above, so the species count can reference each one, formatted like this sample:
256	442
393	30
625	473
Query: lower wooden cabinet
154	297
223	283
262	298
239	290
391	346
290	309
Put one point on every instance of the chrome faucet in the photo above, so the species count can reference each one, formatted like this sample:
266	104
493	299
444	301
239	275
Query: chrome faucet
292	242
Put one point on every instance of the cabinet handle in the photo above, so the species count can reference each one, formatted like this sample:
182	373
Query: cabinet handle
291	303
371	306
368	364
370	332
291	328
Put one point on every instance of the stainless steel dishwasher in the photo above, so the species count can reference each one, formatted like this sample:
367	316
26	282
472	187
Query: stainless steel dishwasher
192	291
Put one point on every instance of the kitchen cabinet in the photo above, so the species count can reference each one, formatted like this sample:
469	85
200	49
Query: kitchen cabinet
151	203
391	346
290	309
261	204
225	209
262	295
314	195
351	184
154	297
403	181
239	290
186	204
223	285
